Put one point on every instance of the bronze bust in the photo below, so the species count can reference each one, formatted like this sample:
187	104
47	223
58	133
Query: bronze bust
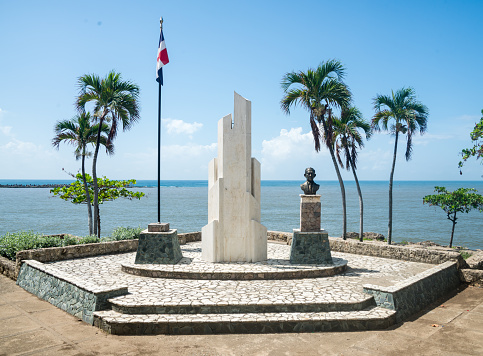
309	187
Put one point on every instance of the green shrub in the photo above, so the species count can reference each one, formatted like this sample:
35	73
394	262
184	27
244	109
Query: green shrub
465	254
124	233
11	243
88	240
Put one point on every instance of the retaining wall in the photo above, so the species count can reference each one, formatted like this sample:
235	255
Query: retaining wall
406	253
64	291
12	268
415	293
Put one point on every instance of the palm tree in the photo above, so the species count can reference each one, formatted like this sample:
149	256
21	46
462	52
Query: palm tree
320	91
115	101
347	139
79	133
409	115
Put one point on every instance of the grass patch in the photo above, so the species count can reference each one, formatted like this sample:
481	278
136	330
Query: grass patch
11	243
465	254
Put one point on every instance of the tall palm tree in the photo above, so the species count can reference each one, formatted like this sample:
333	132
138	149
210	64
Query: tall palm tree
79	133
115	101
408	115
347	139
320	91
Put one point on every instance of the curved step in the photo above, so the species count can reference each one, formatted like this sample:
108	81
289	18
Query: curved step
121	306
272	269
152	324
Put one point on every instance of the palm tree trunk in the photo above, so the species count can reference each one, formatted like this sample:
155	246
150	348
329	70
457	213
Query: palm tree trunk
391	178
88	197
339	177
342	191
98	222
361	204
94	180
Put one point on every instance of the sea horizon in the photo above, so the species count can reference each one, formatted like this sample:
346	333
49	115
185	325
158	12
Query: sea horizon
184	204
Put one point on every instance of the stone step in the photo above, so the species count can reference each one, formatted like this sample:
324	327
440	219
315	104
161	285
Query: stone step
126	306
143	324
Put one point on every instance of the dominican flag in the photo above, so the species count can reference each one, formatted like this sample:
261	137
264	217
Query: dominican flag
162	59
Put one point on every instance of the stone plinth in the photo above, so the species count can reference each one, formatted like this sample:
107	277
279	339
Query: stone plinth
234	232
310	248
310	244
158	247
309	213
158	227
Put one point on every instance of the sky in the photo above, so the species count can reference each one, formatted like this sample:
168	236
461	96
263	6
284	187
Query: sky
218	47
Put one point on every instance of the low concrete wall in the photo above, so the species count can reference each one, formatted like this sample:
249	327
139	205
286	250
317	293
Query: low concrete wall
12	268
64	291
415	293
406	253
7	268
472	276
377	249
76	251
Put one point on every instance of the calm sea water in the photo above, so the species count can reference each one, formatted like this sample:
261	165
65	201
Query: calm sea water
184	205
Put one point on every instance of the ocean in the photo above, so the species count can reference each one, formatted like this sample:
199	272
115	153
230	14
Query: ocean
184	205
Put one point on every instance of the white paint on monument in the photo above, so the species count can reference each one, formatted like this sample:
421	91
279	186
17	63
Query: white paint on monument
234	232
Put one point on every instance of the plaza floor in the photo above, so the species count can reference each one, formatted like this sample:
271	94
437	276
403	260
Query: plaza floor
30	326
243	302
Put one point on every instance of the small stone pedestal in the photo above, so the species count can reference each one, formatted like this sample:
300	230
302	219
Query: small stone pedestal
158	244
310	244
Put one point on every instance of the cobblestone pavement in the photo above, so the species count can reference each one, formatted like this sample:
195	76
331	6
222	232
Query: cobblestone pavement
30	326
346	287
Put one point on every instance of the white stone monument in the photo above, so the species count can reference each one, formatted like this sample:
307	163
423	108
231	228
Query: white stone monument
234	232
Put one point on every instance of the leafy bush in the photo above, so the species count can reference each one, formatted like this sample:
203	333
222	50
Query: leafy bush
87	240
11	243
124	233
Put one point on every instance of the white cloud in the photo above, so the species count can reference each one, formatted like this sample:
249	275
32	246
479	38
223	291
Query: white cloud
423	140
4	129
21	148
175	126
288	143
287	155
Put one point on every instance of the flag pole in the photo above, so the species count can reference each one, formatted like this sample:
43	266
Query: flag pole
159	138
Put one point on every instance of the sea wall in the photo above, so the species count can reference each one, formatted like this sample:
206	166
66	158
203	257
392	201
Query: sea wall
406	253
415	293
64	291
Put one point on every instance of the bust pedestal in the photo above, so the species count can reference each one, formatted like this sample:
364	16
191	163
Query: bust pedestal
158	244
310	244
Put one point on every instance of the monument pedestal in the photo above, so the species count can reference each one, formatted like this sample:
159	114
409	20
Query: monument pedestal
158	244
310	244
310	247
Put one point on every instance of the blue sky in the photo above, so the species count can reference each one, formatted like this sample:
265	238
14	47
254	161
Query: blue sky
217	47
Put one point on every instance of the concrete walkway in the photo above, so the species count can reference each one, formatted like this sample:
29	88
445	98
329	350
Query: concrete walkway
30	326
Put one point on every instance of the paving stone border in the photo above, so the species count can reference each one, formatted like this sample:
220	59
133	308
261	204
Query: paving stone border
415	293
79	298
